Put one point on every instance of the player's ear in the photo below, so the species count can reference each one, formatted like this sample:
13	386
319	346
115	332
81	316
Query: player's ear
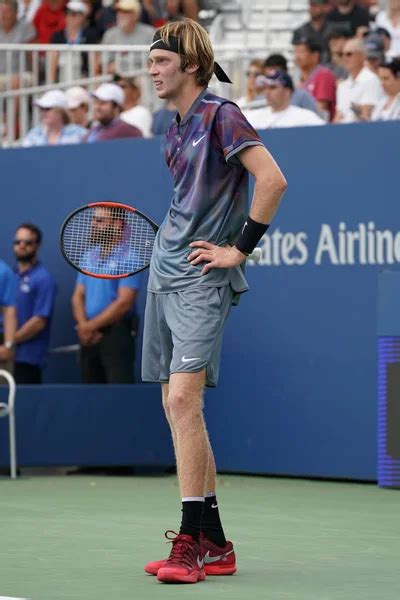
191	68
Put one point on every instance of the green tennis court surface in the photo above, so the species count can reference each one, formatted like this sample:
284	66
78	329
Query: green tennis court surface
87	538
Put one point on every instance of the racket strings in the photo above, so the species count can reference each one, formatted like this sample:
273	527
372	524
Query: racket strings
108	240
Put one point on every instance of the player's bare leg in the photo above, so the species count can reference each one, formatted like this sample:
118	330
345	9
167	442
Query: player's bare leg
185	406
183	403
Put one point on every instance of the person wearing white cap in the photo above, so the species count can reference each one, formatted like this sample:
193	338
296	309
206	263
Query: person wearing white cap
78	103
55	128
108	103
127	31
134	113
75	32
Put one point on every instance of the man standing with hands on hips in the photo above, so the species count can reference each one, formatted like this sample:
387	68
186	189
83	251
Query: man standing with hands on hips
195	275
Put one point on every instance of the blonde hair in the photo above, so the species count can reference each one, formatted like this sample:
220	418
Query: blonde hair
196	47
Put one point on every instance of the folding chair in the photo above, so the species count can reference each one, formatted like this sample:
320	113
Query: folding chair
7	410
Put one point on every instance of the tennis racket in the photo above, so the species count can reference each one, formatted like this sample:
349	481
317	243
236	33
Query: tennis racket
109	240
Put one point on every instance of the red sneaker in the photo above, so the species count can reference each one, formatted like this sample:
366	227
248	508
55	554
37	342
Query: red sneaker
217	560
185	562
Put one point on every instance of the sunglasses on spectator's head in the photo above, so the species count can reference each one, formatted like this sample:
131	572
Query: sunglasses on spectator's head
18	242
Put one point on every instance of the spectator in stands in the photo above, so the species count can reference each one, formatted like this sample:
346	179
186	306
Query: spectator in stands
8	319
389	19
317	27
158	12
13	31
389	107
349	15
386	37
316	79
253	94
55	127
127	31
336	41
27	9
105	315
358	95
36	292
300	97
279	112
76	31
108	103
78	104
374	51
162	119
133	112
48	19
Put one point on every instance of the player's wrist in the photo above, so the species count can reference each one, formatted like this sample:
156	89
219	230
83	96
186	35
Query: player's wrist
250	235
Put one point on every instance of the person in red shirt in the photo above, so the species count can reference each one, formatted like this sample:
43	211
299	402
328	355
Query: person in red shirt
316	79
49	18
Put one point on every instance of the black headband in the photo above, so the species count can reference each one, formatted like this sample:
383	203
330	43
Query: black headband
175	45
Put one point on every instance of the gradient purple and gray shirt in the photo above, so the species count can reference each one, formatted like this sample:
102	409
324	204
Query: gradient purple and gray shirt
210	199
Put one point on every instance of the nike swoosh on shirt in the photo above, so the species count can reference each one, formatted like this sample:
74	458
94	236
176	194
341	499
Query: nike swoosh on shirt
184	360
212	559
195	142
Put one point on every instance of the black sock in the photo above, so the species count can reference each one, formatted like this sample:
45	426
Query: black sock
211	523
191	518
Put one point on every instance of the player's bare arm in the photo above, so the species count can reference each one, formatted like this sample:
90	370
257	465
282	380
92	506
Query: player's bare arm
270	185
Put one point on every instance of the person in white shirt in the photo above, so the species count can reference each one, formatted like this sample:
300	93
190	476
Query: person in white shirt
279	112
133	112
357	95
389	19
389	108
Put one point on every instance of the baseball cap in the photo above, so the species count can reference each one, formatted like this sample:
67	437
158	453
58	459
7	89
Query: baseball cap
109	92
128	6
77	96
374	46
276	78
77	6
52	99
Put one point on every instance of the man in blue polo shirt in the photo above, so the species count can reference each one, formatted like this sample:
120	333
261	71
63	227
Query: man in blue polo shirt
104	311
8	319
36	291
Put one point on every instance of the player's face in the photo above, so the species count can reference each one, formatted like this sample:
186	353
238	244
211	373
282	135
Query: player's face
165	70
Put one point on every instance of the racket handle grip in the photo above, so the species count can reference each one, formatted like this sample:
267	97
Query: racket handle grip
255	255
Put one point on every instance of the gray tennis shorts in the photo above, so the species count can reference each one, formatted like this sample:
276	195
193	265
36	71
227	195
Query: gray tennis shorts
183	332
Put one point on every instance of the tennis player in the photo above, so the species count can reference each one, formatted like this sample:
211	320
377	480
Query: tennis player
195	275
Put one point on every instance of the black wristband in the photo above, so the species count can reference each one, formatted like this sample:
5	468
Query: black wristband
251	234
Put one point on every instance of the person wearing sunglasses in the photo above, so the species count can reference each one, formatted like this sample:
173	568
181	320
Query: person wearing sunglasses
35	296
361	91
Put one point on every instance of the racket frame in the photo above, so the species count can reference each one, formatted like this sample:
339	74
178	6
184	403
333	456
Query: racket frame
105	204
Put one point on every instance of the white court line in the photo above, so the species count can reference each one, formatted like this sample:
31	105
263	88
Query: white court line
12	598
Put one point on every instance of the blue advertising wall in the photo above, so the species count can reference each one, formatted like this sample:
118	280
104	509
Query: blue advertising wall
297	391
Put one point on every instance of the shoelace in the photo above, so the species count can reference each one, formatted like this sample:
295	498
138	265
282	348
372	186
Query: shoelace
181	551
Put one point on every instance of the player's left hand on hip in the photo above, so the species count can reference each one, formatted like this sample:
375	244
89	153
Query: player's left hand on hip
216	257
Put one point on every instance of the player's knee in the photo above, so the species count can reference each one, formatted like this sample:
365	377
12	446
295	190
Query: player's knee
180	405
